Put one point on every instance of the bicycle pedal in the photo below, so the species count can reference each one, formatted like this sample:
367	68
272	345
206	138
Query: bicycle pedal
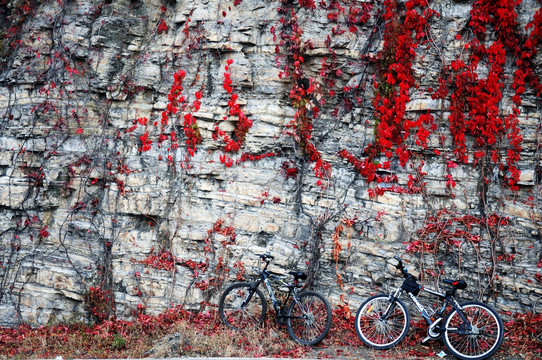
427	339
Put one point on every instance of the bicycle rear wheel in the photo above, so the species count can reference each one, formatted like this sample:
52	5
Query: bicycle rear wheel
240	307
481	340
309	319
381	324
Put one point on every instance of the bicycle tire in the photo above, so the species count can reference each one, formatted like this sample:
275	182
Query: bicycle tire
377	333
239	317
309	321
487	337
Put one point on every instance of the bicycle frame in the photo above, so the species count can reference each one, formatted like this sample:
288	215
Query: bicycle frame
264	277
448	299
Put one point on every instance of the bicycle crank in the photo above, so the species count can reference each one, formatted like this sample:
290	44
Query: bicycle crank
433	332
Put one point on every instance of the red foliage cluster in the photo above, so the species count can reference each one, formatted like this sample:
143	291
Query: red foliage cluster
44	233
234	143
243	124
163	260
14	18
401	36
415	185
239	266
343	332
357	15
524	334
217	228
396	78
146	143
162	27
99	303
249	157
289	170
303	88
330	71
35	178
475	101
177	104
366	167
195	266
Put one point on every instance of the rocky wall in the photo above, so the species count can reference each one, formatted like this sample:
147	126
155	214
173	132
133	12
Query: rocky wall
108	208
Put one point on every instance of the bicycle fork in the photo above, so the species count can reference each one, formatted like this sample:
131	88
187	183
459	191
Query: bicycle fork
251	291
390	307
466	327
302	307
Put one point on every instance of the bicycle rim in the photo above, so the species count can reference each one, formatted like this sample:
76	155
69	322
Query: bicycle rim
310	320
237	316
377	330
482	341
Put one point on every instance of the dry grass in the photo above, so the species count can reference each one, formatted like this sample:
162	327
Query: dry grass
177	333
256	342
180	333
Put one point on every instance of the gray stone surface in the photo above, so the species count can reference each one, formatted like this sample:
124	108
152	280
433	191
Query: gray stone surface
125	71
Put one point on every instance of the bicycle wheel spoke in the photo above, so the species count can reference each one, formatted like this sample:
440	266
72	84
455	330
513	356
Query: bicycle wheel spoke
241	307
309	318
379	329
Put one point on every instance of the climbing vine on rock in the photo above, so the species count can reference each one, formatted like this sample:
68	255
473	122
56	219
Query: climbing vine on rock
462	237
304	91
476	101
404	29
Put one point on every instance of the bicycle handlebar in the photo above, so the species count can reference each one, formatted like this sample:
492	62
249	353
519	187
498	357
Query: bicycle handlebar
267	259
401	267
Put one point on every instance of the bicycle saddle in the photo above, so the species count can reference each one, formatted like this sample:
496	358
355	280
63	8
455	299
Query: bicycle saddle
298	275
457	284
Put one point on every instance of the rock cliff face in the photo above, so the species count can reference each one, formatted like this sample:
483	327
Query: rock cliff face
150	149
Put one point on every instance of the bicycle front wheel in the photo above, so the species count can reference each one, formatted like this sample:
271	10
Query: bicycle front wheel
309	318
241	308
382	324
478	339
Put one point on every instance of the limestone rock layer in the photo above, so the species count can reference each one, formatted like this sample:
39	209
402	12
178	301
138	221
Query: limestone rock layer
150	150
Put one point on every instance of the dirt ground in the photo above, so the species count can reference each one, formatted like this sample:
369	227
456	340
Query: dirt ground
432	350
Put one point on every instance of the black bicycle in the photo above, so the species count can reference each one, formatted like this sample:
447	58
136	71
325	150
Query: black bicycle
307	317
471	330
